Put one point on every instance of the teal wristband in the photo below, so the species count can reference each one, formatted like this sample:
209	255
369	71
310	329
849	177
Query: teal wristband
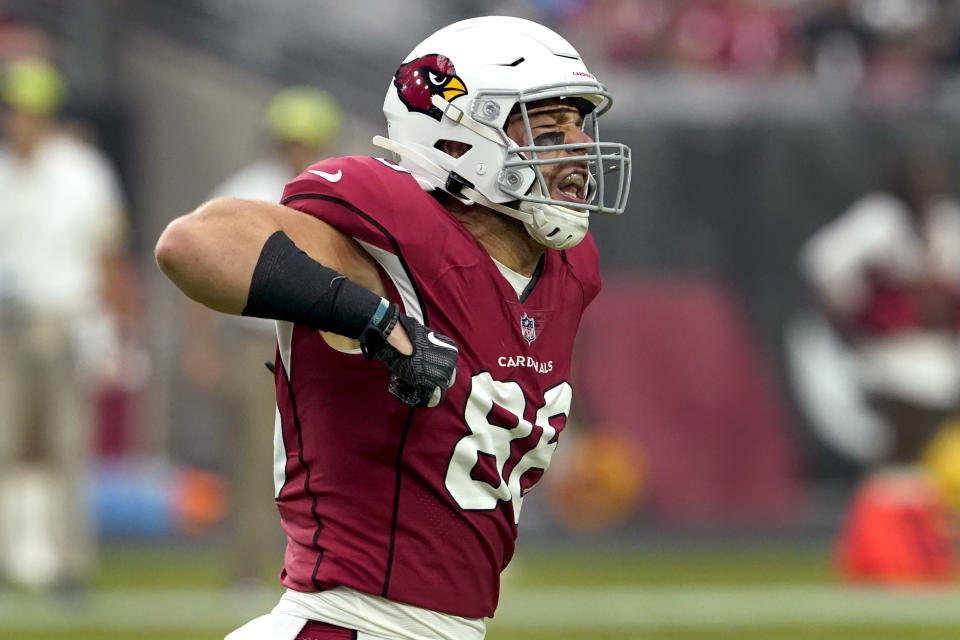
379	314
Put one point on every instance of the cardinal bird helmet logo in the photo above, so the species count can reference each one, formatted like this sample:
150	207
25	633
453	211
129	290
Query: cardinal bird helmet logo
419	80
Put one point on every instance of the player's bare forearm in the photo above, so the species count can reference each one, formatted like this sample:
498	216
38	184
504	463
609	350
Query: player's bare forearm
211	253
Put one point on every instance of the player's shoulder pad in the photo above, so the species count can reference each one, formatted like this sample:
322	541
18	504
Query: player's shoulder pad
369	199
359	180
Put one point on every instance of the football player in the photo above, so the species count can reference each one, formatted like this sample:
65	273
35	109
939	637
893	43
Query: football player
426	312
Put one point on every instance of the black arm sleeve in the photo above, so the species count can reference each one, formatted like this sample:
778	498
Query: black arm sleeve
289	285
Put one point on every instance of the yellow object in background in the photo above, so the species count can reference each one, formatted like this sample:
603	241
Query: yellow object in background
941	459
33	85
602	483
303	114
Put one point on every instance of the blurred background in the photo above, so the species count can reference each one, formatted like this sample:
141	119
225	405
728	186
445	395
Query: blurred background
733	465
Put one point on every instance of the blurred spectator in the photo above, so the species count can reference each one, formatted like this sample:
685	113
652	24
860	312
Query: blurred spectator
888	51
625	32
834	46
225	355
62	267
749	37
888	274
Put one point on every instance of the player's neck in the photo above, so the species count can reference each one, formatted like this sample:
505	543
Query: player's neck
505	239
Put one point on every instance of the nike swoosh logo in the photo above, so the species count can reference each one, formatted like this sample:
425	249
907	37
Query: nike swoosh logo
329	177
433	338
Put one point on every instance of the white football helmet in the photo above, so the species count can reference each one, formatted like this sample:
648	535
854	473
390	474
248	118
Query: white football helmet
462	83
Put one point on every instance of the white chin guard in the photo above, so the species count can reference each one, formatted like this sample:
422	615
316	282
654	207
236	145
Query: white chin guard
555	227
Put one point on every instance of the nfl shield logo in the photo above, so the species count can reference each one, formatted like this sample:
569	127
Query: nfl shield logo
528	329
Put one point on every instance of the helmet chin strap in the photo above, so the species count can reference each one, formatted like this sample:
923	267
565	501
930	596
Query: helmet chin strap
553	226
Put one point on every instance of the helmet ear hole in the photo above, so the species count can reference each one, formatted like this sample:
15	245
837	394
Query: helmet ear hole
452	148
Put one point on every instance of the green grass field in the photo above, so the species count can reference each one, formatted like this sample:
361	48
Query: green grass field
152	593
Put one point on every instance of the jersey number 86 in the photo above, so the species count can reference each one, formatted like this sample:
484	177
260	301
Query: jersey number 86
486	467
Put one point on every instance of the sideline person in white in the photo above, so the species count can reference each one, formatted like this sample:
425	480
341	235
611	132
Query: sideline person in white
62	236
887	272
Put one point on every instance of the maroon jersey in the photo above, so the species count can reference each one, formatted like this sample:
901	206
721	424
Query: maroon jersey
421	505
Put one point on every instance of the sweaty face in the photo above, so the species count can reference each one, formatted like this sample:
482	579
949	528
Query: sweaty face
554	122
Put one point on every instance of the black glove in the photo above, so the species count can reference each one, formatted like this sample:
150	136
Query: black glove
422	378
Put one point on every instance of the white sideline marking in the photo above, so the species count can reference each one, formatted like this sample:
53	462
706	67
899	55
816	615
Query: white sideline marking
724	607
541	608
158	609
